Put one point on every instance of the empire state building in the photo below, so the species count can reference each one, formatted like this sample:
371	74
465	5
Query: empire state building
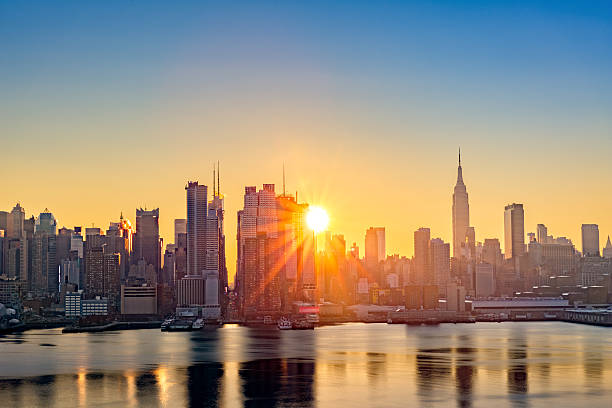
461	212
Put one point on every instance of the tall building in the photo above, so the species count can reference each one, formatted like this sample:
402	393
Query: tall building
180	227
147	245
422	256
590	240
607	251
15	223
440	262
461	212
45	273
375	251
514	231
491	252
103	275
197	211
259	254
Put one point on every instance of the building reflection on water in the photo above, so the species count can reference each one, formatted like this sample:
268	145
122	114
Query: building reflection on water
236	366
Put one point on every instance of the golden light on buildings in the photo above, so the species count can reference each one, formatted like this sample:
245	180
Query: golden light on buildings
317	219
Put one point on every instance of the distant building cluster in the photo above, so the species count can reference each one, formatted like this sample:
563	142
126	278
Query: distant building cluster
283	267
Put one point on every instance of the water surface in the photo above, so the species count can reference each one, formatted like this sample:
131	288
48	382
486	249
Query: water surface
509	364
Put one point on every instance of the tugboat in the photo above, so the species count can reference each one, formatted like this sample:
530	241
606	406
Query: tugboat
284	324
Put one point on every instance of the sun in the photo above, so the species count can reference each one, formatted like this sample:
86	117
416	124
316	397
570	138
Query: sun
317	219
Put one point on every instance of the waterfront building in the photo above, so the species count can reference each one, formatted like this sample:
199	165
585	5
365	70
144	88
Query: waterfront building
190	291
138	300
484	280
197	210
590	240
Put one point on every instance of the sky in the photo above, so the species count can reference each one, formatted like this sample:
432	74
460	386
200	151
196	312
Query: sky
110	106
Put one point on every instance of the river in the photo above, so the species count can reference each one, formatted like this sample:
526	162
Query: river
511	364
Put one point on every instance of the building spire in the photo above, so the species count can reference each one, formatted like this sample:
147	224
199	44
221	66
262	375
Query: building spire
283	179
214	191
459	170
218	180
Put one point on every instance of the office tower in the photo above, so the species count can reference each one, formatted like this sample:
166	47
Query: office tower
440	262
542	234
180	257
514	231
45	276
103	275
491	252
607	251
169	268
94	269
259	254
461	212
485	280
147	245
63	239
590	240
215	243
3	220
552	257
180	227
197	211
119	239
15	223
422	256
375	250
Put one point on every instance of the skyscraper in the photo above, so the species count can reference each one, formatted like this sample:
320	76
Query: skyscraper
440	262
607	251
260	251
461	212
514	230
180	227
147	245
197	211
45	275
375	250
422	256
590	240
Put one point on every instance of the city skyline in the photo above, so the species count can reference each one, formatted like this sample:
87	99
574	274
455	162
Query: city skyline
122	105
409	252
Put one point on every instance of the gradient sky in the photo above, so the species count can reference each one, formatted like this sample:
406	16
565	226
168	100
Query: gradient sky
110	106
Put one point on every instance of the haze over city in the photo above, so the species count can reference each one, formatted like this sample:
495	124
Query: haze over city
107	108
298	204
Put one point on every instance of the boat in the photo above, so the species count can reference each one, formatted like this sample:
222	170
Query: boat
178	325
198	324
285	324
166	323
302	325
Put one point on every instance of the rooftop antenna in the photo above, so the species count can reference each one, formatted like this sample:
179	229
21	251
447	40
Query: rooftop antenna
214	191
283	179
218	180
459	155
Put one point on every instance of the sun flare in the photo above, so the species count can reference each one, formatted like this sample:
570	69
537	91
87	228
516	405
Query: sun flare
317	219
